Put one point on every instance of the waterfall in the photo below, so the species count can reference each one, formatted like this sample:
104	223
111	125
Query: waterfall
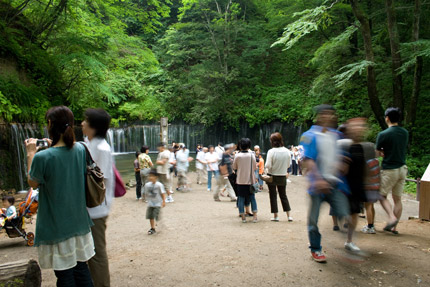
128	139
21	132
22	165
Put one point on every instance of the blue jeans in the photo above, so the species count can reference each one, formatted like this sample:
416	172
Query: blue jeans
241	203
216	175
340	206
74	277
257	176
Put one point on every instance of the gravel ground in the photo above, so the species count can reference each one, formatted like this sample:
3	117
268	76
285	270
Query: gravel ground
201	242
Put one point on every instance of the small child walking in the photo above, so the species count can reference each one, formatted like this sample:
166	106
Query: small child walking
156	197
260	170
9	211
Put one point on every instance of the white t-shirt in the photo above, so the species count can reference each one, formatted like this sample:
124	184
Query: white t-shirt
182	160
328	153
101	153
219	150
163	169
200	156
153	193
212	157
278	161
172	159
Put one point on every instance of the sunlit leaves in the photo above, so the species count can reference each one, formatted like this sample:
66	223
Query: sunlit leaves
7	109
350	70
310	20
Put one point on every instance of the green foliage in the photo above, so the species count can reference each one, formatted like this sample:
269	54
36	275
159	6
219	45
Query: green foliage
416	49
350	70
206	61
310	20
7	109
410	187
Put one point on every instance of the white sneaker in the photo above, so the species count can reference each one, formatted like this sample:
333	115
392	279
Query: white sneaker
209	189
368	230
290	218
168	199
351	247
171	199
289	181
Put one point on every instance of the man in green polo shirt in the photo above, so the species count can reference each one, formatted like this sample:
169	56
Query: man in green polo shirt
392	145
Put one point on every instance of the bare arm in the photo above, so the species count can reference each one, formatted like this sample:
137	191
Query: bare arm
30	144
12	216
163	195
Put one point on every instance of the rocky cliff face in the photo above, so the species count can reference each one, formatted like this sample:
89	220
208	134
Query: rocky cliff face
8	176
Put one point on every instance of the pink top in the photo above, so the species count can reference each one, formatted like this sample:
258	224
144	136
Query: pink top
245	164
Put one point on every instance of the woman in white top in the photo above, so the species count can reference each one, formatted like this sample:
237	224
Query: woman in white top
95	127
277	164
211	159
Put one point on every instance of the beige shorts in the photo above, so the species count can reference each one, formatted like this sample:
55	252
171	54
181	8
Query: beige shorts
182	178
393	180
163	179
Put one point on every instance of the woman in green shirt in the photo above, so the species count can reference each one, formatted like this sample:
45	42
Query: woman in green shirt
63	233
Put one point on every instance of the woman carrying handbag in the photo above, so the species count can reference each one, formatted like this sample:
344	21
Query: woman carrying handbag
277	164
245	165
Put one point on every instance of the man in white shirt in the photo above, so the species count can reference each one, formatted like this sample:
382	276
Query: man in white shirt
200	165
219	151
212	159
95	127
182	164
163	169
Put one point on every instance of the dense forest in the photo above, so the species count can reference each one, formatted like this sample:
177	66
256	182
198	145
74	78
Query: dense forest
219	61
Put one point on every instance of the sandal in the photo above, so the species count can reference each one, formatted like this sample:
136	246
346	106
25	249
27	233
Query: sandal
390	226
151	231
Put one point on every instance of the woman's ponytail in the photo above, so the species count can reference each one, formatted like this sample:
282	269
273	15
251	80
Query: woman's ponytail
69	137
60	123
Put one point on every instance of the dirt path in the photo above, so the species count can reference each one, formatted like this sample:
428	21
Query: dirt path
203	243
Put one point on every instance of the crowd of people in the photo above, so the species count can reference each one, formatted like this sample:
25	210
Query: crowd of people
229	170
342	169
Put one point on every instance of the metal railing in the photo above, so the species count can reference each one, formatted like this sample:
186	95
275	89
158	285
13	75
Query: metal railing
418	182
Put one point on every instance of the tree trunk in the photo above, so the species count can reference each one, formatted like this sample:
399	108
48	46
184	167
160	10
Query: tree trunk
395	55
372	93
21	273
411	117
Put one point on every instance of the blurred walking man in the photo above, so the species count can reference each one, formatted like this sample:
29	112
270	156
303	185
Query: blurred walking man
321	160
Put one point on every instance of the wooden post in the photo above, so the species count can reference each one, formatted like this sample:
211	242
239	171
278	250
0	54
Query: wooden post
164	133
418	188
21	273
424	213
